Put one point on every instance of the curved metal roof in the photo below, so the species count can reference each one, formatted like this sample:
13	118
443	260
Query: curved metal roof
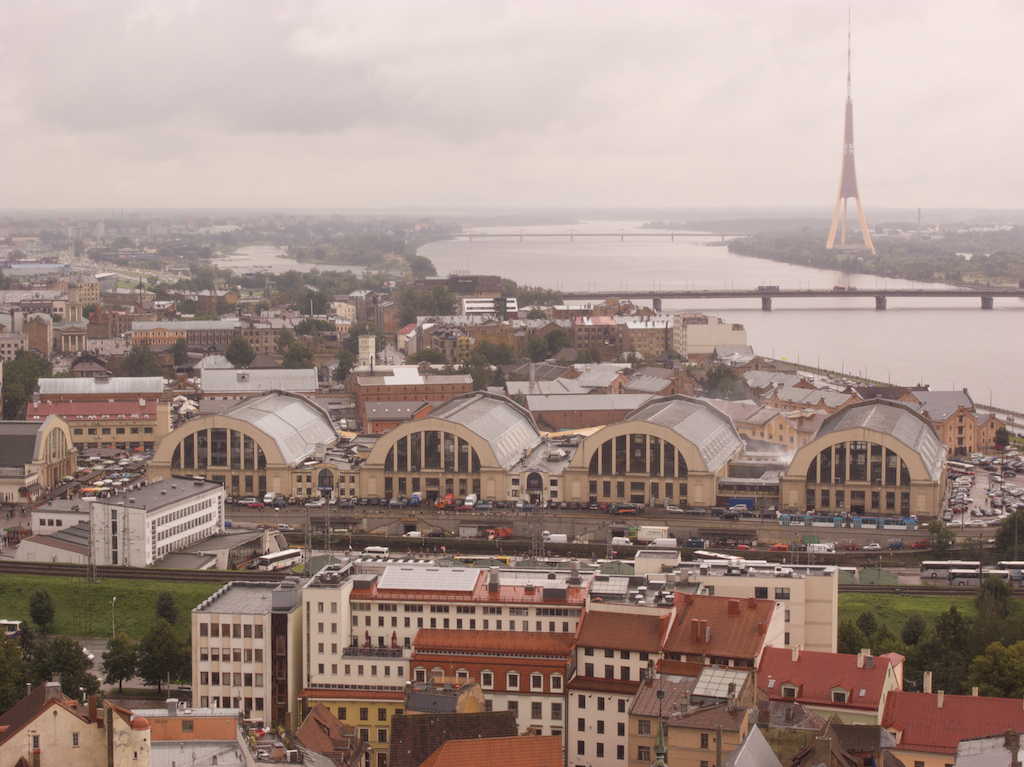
707	428
508	429
295	424
895	420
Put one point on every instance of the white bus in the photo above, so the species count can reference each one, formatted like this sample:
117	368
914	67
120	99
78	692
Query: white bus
941	569
279	560
1016	569
10	628
376	551
973	577
960	467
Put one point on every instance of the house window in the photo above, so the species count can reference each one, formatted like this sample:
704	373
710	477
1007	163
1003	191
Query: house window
487	679
512	681
536	711
536	682
186	725
704	738
643	727
788	692
74	740
643	753
556	712
782	593
838	696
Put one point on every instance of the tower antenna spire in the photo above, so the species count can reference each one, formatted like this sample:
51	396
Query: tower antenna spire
848	37
848	175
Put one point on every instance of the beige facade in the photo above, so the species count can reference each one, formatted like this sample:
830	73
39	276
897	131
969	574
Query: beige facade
875	458
36	456
695	334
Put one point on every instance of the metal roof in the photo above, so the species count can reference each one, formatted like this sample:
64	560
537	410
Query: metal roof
410	578
19	442
895	420
508	429
193	325
220	381
556	402
116	385
705	427
295	424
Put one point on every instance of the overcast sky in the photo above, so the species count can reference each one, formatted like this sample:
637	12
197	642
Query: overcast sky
134	104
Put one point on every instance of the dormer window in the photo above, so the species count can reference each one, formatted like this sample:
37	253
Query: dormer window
789	691
839	696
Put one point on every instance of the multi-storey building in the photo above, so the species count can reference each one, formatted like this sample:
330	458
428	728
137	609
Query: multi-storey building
406	383
614	646
11	344
595	333
139	528
695	335
648	336
123	425
36	455
246	642
206	333
222	388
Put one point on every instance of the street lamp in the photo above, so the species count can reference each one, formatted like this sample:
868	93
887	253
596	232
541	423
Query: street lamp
112	630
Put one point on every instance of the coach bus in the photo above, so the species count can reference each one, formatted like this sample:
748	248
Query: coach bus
941	569
279	560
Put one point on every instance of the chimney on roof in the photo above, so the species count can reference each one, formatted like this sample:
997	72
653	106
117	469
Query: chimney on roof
762	628
823	750
172	707
928	682
494	580
574	573
869	661
974	692
28	688
705	629
751	603
694	631
942	694
796	654
734	607
53	690
92	708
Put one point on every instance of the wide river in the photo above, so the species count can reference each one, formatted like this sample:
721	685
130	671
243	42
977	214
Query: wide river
947	343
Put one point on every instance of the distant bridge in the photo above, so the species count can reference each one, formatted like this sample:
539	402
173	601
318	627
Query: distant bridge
881	296
572	234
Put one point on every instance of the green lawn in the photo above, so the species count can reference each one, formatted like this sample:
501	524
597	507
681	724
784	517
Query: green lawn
83	609
893	610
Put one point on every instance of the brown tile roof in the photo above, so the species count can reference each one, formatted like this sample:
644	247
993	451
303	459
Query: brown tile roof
720	627
522	751
711	717
622	631
329	694
500	642
818	673
414	737
25	711
324	733
611	686
923	726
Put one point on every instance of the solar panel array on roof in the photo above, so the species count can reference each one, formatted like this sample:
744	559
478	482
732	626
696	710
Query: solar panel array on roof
714	682
430	578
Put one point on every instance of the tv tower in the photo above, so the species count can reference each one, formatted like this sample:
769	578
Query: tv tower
848	175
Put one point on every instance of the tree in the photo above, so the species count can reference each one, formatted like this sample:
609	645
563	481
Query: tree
119	660
180	350
13	673
41	607
849	638
239	352
536	314
443	300
21	378
64	656
723	382
141	362
999	671
946	648
940	538
421	266
996	591
285	339
346	361
1010	533
362	329
1002	437
318	300
884	641
557	340
159	654
431	355
867	623
496	354
167	607
913	629
479	370
297	357
537	349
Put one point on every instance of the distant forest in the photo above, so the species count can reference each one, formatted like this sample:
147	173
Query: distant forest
994	255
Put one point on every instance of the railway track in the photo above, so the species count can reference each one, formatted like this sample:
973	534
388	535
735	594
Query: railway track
107	572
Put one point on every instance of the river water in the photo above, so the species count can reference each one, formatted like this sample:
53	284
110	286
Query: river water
947	343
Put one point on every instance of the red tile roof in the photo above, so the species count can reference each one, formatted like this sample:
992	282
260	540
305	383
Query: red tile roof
81	411
522	751
923	726
493	642
342	694
609	686
818	673
622	631
720	627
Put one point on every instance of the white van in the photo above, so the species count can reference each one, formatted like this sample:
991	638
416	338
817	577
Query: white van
663	543
377	551
413	534
618	540
283	528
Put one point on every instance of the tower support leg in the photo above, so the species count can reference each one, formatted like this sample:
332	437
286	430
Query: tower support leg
880	303
986	302
766	303
657	304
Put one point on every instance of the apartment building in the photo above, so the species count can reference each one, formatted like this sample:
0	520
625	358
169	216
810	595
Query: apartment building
246	641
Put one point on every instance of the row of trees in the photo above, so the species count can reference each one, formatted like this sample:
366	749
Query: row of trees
986	652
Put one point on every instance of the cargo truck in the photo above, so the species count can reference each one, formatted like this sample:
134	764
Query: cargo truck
648	533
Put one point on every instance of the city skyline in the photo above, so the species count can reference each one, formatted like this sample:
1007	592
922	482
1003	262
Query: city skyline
118	104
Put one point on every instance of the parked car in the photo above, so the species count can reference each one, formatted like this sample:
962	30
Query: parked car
872	547
673	510
316	503
922	544
254	504
850	546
